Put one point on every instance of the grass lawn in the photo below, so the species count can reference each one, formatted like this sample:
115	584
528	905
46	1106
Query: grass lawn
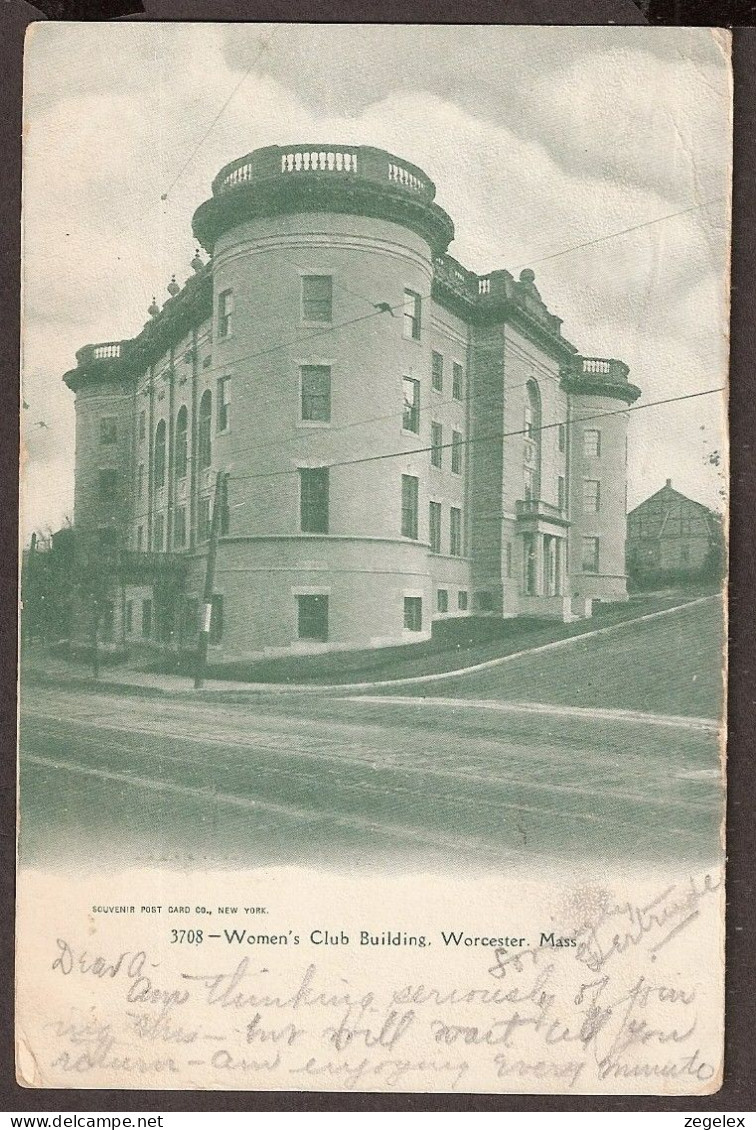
455	644
668	666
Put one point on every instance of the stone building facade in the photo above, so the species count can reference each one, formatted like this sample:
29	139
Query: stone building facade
401	440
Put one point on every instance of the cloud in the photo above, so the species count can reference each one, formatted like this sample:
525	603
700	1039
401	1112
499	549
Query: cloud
604	105
539	140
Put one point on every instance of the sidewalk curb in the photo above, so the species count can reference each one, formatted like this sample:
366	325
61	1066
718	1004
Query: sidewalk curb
251	690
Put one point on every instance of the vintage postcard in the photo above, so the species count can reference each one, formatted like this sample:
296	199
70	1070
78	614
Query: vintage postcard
374	511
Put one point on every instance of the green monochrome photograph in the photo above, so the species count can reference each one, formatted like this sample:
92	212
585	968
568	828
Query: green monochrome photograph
374	552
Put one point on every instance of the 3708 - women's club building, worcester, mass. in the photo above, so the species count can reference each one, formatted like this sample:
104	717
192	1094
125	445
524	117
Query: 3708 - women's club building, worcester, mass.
402	440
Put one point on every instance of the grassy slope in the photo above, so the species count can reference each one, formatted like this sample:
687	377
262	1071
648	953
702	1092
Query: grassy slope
672	665
455	644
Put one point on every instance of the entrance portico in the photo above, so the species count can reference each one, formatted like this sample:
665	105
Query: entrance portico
543	529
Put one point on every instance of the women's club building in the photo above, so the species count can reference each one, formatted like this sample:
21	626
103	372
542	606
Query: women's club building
399	439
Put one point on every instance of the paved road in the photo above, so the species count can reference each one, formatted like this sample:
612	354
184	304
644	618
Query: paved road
346	783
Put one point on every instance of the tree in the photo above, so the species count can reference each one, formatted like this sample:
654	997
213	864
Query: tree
96	567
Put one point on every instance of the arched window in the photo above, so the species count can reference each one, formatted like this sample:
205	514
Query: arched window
205	450
532	440
181	443
159	457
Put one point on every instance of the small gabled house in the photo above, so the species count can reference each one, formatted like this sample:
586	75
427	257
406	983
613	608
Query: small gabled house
672	539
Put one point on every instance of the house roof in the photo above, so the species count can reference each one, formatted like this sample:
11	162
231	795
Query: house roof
668	493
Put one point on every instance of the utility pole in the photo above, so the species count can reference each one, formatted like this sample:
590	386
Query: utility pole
207	598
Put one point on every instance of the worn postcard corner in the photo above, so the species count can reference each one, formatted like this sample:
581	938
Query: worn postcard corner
374	512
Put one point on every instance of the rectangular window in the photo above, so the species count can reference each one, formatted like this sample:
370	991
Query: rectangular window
434	526
312	617
203	519
108	429
591	496
561	432
316	392
413	613
179	528
456	453
317	298
225	312
462	600
129	617
590	555
455	532
411	411
223	419
313	499
412	315
437	371
508	560
146	618
216	619
561	495
442	600
409	506
592	443
158	534
437	440
142	424
530	481
140	482
457	381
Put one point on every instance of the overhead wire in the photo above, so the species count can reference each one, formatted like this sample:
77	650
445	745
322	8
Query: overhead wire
334	327
624	231
264	46
471	440
386	307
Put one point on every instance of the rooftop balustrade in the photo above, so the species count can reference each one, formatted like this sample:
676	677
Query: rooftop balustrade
107	350
600	375
487	292
99	352
355	161
605	367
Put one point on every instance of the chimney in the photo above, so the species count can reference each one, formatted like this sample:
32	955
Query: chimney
669	482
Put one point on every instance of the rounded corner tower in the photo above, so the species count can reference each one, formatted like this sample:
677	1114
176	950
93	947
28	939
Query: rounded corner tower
101	385
322	265
598	387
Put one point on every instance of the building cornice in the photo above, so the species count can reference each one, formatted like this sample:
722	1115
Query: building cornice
586	384
322	192
122	360
497	299
356	180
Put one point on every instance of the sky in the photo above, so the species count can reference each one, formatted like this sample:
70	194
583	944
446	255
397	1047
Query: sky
539	140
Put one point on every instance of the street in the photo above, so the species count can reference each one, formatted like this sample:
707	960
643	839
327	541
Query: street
341	783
